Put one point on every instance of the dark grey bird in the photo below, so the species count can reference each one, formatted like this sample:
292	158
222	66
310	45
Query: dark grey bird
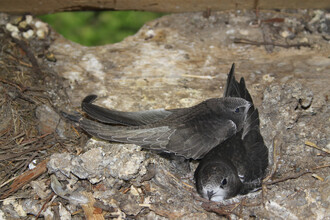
189	132
238	164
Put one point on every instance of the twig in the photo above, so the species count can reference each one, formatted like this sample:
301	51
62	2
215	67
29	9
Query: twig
221	210
89	208
14	138
267	36
14	155
179	181
317	177
165	213
7	181
75	130
273	20
198	76
295	176
27	162
35	139
30	55
26	177
49	198
257	43
274	167
126	190
20	87
140	194
311	144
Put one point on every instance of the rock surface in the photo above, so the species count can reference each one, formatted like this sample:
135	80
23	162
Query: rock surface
180	60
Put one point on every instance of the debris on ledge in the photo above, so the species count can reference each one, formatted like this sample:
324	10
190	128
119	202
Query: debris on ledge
175	61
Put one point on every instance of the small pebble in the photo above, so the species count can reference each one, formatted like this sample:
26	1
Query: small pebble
303	40
28	34
41	34
285	34
29	19
268	78
11	28
150	34
40	25
15	35
22	25
244	32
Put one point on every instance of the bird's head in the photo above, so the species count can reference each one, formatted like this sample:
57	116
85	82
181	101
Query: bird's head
217	181
237	109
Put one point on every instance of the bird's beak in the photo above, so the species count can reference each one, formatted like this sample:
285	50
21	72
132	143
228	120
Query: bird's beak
247	108
210	194
248	105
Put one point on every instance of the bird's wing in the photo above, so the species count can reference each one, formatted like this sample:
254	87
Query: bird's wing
255	146
122	118
191	139
158	136
201	134
252	164
235	88
238	89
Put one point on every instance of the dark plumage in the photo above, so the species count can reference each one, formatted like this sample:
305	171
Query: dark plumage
237	165
223	132
189	132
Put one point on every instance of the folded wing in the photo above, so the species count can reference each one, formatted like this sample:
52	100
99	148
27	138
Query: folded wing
189	135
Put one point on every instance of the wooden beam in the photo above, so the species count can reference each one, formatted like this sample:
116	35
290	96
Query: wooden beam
51	6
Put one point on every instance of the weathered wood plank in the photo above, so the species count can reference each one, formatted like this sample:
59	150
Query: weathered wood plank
52	6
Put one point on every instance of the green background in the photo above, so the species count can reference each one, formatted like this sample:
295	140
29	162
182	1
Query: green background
98	28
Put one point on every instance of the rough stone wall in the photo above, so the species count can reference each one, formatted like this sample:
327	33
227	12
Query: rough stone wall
178	61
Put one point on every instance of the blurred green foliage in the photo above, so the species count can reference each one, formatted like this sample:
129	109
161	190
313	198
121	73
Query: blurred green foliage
98	28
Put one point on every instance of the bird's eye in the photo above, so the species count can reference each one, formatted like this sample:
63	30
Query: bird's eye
224	182
237	110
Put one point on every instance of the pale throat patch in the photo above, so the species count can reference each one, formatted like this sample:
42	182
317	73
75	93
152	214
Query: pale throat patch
219	193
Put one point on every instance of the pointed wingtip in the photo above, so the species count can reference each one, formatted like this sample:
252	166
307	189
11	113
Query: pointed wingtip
230	80
74	118
232	71
89	98
232	67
